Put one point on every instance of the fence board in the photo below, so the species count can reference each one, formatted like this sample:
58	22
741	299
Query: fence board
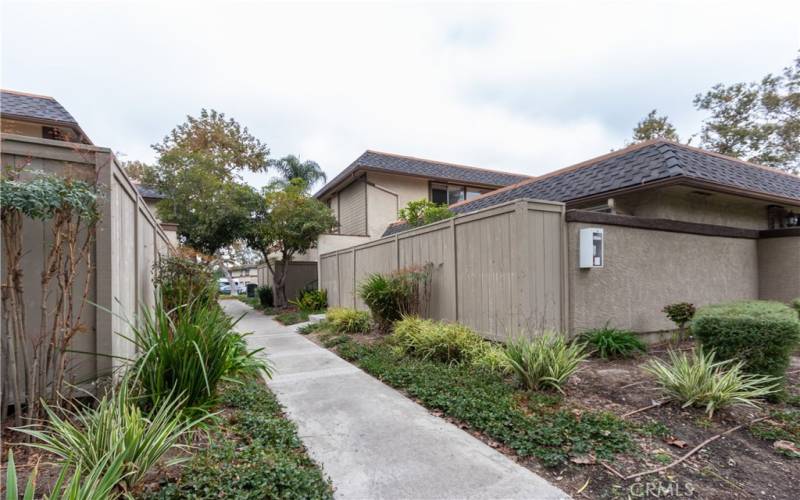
499	271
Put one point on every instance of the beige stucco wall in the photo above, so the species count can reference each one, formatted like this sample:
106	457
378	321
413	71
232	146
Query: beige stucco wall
645	270
406	188
686	204
779	268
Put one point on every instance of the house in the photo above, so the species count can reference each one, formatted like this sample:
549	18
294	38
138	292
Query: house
38	133
367	195
610	240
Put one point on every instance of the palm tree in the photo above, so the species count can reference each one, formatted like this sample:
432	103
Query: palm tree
290	167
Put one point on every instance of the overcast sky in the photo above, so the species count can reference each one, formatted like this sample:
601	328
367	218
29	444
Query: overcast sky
521	87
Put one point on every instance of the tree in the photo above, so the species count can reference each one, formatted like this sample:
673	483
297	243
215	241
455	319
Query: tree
199	171
654	127
757	121
288	222
229	146
421	212
290	167
139	171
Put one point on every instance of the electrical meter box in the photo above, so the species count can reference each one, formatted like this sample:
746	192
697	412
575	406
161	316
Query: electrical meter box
591	248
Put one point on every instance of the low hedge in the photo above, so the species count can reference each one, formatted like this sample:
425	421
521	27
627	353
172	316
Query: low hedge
760	333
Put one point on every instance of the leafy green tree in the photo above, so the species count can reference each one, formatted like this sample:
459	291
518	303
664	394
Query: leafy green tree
199	171
290	167
421	212
287	222
654	127
756	121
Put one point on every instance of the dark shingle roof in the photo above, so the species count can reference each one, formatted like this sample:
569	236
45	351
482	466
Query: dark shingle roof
148	192
34	106
634	166
406	165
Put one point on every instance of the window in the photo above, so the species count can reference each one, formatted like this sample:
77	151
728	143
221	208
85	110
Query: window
447	194
439	194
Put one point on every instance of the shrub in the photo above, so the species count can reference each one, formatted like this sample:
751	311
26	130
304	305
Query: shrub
183	281
796	305
265	296
291	317
402	293
437	341
613	343
422	212
697	380
681	314
762	334
99	482
546	360
87	437
344	320
189	354
311	300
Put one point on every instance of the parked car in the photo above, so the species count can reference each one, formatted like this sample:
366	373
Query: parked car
225	287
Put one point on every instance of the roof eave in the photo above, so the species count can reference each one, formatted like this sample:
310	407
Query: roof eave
335	186
46	121
684	180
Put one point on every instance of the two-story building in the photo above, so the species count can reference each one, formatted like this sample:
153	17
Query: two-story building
367	195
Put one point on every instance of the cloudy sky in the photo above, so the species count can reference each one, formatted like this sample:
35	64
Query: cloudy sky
520	87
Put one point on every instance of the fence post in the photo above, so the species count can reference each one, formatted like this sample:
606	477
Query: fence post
454	260
354	277
397	252
104	266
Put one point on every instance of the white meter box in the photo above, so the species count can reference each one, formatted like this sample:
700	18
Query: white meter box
592	252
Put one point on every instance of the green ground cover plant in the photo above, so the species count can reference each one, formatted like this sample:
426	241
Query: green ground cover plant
291	317
761	334
343	320
611	343
696	379
483	400
782	425
257	454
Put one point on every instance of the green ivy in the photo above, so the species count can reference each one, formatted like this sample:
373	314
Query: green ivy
42	195
265	460
483	400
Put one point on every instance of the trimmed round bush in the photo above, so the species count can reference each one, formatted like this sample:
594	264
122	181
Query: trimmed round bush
762	334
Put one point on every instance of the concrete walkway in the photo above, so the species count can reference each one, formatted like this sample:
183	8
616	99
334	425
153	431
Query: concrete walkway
371	440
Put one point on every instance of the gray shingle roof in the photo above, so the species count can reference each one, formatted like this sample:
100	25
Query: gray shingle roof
148	192
34	106
635	166
406	165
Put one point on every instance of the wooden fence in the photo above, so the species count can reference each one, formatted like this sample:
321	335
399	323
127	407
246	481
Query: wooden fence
129	240
501	271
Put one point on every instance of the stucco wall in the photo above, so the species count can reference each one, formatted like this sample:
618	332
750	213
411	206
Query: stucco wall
646	270
686	204
779	268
